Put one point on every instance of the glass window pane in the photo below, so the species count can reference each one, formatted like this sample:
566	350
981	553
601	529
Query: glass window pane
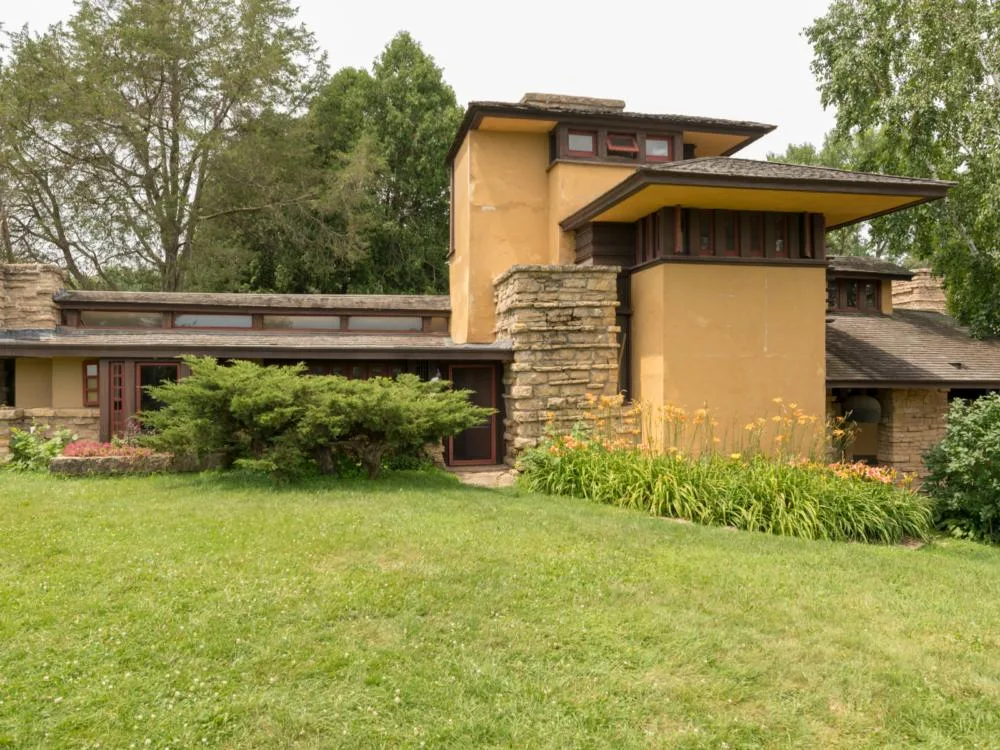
303	322
383	323
871	295
120	319
153	374
438	325
582	142
657	148
831	295
91	369
852	295
201	320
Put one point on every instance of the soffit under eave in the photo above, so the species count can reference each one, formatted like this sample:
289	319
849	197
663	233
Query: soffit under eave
838	208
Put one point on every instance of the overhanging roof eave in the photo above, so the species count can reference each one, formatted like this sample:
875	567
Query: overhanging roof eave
643	179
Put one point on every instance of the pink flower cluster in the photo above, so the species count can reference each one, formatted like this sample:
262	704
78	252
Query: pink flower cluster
94	449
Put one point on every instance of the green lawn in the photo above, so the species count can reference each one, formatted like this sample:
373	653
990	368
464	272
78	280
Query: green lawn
201	611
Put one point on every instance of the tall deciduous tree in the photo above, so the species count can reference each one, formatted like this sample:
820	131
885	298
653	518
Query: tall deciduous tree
925	76
109	125
838	154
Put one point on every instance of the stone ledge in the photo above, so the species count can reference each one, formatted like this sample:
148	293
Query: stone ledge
111	465
554	270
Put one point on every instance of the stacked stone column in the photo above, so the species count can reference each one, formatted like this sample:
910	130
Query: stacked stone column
560	321
26	296
912	421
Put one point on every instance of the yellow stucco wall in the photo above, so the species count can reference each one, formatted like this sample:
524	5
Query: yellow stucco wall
32	383
571	187
67	383
729	337
886	297
507	209
458	262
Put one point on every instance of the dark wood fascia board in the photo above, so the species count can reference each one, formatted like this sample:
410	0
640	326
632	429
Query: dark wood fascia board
875	215
41	349
868	275
475	113
647	178
731	260
914	384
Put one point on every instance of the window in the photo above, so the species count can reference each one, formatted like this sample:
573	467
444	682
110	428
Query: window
582	143
727	233
623	145
91	385
700	230
384	323
6	382
852	295
120	319
302	322
152	373
755	235
200	320
777	235
437	325
657	148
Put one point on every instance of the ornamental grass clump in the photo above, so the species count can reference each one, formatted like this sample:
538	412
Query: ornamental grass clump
777	492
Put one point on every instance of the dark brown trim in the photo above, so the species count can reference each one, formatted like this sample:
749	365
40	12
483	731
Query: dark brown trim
834	273
220	350
645	178
96	401
478	110
915	384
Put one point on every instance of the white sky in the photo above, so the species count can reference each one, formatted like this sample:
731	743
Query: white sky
727	58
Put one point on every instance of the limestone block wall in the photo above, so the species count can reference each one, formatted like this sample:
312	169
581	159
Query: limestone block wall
84	423
26	296
561	323
923	292
912	421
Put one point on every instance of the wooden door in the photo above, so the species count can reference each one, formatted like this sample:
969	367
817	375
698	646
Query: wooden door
476	445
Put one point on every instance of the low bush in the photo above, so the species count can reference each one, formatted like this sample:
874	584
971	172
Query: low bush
964	470
790	497
283	422
94	449
33	449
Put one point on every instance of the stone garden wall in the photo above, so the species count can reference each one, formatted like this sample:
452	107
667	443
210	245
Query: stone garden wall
561	323
84	423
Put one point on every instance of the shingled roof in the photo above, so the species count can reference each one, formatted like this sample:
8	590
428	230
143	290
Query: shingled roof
71	342
909	347
244	302
866	266
727	166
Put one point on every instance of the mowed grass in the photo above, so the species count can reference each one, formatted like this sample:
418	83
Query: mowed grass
211	612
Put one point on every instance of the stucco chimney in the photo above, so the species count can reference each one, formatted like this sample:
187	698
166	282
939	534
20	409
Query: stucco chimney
562	101
924	292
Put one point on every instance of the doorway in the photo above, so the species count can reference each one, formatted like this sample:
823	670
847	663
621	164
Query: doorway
126	395
476	446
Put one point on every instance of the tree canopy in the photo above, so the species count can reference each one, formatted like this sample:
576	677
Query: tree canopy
371	153
923	76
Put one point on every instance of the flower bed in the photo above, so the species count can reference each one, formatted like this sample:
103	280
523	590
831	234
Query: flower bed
774	494
84	457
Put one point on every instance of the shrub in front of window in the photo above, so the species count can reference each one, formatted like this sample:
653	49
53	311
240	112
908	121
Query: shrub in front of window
280	421
964	467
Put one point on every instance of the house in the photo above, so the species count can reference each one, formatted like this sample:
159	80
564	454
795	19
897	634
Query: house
593	251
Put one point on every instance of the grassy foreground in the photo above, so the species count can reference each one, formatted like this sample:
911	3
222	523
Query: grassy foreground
209	612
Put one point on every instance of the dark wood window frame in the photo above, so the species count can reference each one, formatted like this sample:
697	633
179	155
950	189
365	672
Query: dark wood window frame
669	139
628	151
838	289
577	152
91	384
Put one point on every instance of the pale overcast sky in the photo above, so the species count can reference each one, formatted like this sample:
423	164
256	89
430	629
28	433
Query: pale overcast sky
728	58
